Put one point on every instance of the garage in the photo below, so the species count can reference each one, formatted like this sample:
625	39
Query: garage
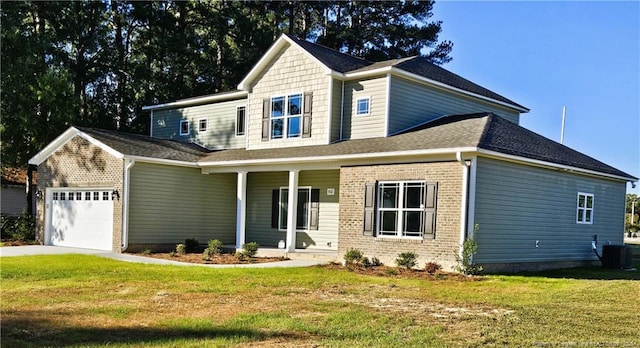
81	218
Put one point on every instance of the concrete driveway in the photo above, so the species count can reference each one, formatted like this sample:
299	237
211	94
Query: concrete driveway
26	250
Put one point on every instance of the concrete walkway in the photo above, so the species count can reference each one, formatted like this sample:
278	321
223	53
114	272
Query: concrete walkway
57	250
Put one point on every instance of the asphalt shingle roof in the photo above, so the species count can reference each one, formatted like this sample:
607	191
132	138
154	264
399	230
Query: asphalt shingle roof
146	146
333	59
480	130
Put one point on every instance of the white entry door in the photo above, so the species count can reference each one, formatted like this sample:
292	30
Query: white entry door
81	218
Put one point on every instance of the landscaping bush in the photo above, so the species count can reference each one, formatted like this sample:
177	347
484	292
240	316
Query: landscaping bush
214	247
192	245
432	267
465	261
181	249
375	262
20	228
353	256
250	249
407	259
207	254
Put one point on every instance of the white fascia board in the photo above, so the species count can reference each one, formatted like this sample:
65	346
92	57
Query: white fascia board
271	53
421	79
550	165
335	158
163	161
63	138
197	100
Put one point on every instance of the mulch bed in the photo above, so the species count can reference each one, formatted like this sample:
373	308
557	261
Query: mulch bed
402	273
224	258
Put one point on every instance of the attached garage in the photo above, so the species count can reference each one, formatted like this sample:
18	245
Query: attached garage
81	218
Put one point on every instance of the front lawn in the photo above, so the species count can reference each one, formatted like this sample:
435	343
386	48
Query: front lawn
79	300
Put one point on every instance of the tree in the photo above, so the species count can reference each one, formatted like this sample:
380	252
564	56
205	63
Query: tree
632	213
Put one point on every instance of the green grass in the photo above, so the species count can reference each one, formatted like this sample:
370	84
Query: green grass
79	300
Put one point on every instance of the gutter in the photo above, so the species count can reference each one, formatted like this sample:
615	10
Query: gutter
464	210
129	163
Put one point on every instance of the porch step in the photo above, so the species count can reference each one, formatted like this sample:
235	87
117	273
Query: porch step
301	254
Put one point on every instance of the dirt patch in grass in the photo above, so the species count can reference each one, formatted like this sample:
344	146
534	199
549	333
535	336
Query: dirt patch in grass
217	259
402	273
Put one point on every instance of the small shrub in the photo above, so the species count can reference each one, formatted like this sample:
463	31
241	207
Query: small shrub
250	249
432	267
407	259
465	261
240	255
353	256
214	246
390	271
206	254
192	245
181	249
146	252
365	261
375	262
173	253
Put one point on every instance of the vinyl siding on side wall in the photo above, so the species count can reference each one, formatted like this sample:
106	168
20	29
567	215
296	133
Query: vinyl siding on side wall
365	126
221	124
168	204
412	104
518	205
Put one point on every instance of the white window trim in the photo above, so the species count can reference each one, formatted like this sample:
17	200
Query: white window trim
400	211
585	208
245	121
188	126
308	222
368	99
206	124
285	116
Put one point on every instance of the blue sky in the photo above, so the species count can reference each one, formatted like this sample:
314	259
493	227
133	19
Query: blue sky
545	55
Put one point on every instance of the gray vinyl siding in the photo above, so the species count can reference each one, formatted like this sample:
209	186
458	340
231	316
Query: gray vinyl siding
259	190
412	104
14	199
221	124
517	205
372	125
336	107
168	204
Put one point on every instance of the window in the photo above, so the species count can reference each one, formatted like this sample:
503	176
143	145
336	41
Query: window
584	213
240	120
55	196
286	116
184	127
105	195
78	196
401	209
71	196
304	203
62	196
363	106
87	196
202	125
96	196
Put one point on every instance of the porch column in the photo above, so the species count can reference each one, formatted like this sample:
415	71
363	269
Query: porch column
241	209
292	208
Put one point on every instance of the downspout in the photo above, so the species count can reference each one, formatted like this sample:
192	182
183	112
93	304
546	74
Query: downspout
342	110
464	210
125	203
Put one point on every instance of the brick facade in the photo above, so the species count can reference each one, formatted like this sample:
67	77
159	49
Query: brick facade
442	249
81	164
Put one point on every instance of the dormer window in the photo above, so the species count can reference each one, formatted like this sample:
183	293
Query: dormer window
184	127
363	106
286	116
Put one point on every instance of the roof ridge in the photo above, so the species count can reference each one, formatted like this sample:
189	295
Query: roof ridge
325	47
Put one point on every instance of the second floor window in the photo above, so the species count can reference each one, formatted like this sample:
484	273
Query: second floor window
286	116
362	106
202	125
240	120
184	127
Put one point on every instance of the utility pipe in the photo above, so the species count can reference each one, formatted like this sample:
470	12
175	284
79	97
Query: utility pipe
125	204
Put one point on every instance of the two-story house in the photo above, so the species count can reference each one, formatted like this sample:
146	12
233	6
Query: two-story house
319	150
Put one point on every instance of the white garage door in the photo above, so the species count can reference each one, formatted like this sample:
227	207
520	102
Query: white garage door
81	218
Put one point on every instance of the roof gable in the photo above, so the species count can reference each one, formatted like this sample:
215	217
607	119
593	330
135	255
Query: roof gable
65	137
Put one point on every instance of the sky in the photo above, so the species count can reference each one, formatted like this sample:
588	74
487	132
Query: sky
582	55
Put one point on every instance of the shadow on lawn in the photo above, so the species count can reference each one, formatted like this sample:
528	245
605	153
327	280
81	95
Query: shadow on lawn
590	273
18	332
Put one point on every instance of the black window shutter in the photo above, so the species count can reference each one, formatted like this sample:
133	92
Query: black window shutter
266	105
275	208
306	115
315	209
369	208
430	202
